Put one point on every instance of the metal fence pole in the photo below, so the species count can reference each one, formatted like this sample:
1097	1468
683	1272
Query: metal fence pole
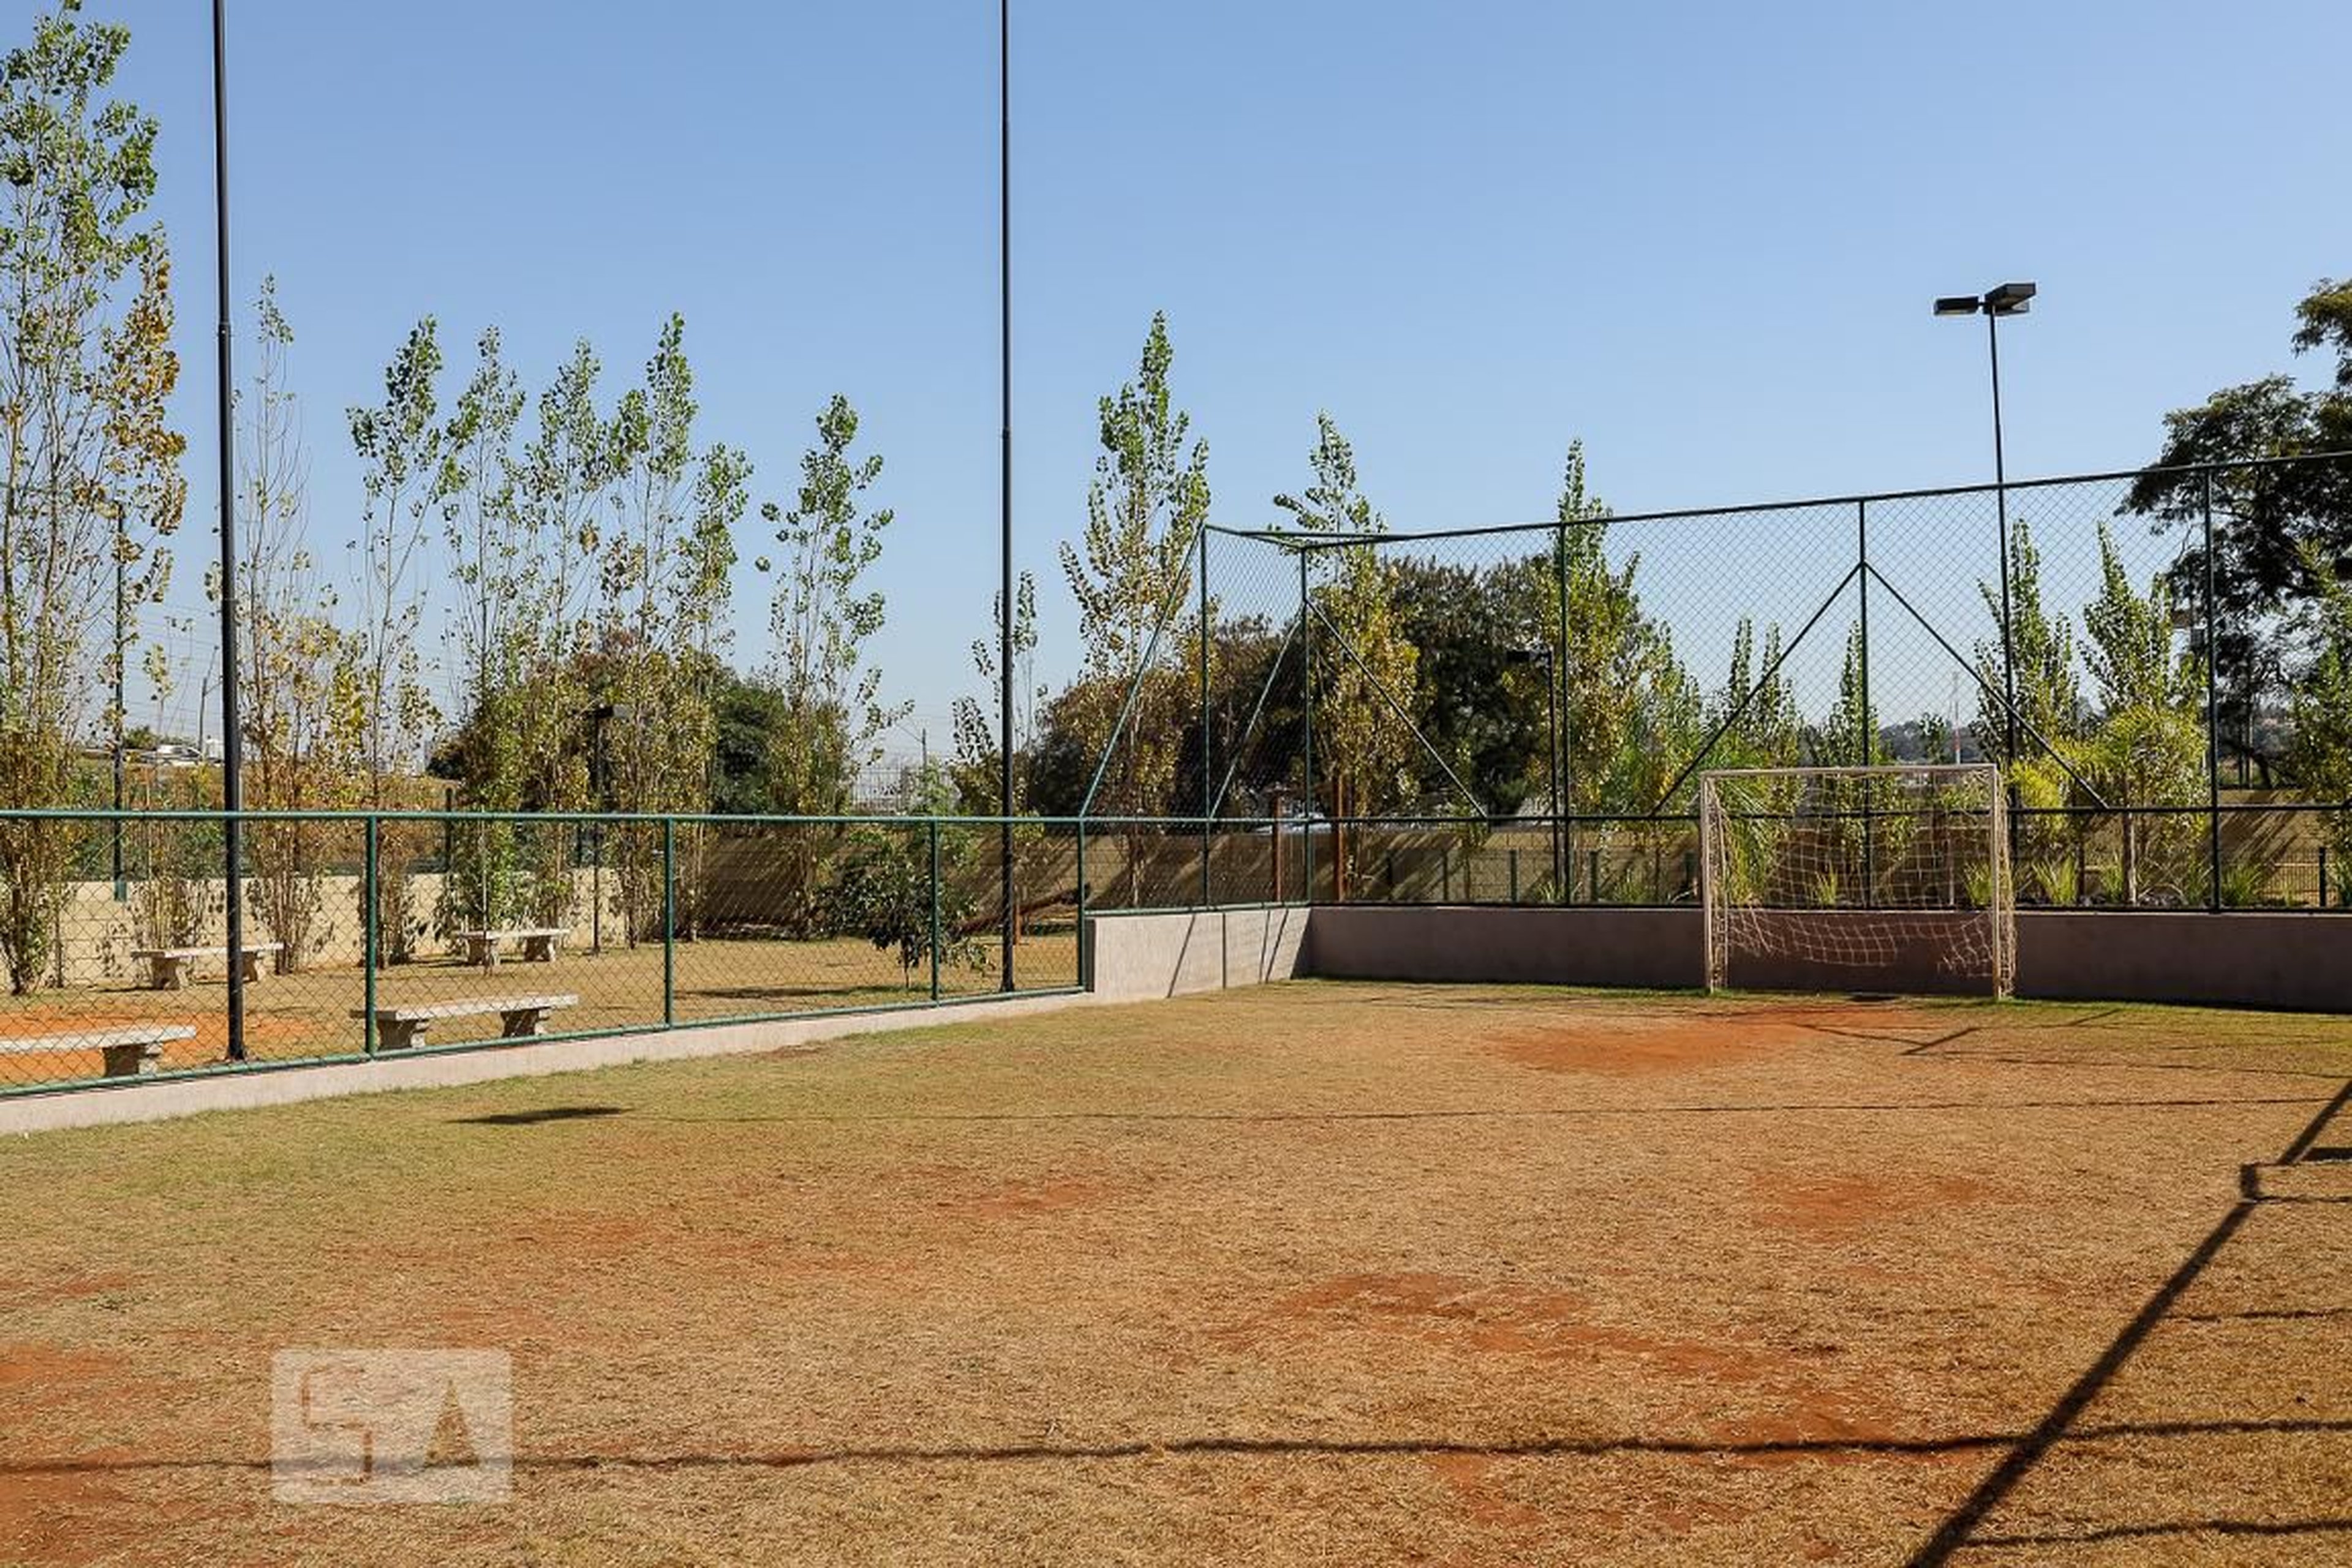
2213	720
1866	720
1208	800
369	954
1563	733
934	827
669	920
1307	666
1085	974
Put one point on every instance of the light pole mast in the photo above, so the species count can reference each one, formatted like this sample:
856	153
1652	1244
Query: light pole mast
2008	300
1004	363
232	780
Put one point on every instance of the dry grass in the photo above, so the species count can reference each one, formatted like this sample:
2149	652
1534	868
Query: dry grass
1316	1274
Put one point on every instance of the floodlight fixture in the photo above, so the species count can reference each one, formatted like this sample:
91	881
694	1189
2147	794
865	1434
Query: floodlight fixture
1957	305
2010	300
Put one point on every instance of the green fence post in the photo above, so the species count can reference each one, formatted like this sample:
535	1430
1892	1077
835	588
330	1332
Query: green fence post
1086	975
368	953
669	921
1306	680
934	825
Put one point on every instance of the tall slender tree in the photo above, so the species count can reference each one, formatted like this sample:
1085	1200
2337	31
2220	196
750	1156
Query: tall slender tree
1367	686
1130	574
88	462
824	615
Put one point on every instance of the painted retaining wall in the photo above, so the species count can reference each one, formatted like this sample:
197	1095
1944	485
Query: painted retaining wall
2300	962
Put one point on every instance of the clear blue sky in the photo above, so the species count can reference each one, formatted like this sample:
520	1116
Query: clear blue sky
1701	236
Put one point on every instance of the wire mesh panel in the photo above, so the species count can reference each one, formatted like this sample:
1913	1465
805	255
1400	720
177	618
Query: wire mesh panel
1892	876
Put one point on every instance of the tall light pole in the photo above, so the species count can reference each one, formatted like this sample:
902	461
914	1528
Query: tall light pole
1004	363
2008	300
232	783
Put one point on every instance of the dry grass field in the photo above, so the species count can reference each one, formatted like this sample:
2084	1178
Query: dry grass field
1312	1274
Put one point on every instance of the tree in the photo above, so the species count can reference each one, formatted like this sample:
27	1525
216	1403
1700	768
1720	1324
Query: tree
821	620
1481	705
398	442
2049	696
2275	527
91	488
1368	673
1757	706
2148	749
303	712
664	577
885	889
1145	509
977	771
1629	713
2320	754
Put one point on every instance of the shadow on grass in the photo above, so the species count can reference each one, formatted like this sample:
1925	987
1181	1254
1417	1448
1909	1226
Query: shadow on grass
544	1113
1960	1530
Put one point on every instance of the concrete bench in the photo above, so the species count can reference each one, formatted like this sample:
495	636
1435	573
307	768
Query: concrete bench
131	1050
519	1017
540	944
170	968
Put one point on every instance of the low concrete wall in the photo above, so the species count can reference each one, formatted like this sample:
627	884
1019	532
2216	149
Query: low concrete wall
1535	946
1130	957
2300	962
2292	961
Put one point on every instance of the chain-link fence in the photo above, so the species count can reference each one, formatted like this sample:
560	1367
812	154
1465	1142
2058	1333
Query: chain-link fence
1519	713
364	934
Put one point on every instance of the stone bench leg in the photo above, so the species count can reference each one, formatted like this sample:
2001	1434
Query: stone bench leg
522	1025
253	970
166	973
539	950
482	952
136	1059
398	1034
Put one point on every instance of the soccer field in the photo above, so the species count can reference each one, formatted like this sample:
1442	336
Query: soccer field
1314	1273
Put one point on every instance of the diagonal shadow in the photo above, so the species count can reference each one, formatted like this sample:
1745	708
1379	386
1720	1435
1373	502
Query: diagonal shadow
1954	1532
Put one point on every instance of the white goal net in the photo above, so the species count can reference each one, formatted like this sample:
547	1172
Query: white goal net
1891	879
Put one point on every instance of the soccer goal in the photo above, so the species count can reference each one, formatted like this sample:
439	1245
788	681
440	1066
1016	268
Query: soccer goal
1888	878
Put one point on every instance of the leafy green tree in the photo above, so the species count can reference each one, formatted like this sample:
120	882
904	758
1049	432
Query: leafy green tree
2148	749
664	581
88	481
2320	754
2049	694
1768	731
1367	679
1629	712
1481	703
824	615
1144	508
884	890
2275	527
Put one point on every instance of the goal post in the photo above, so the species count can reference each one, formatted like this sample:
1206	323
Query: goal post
1892	878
